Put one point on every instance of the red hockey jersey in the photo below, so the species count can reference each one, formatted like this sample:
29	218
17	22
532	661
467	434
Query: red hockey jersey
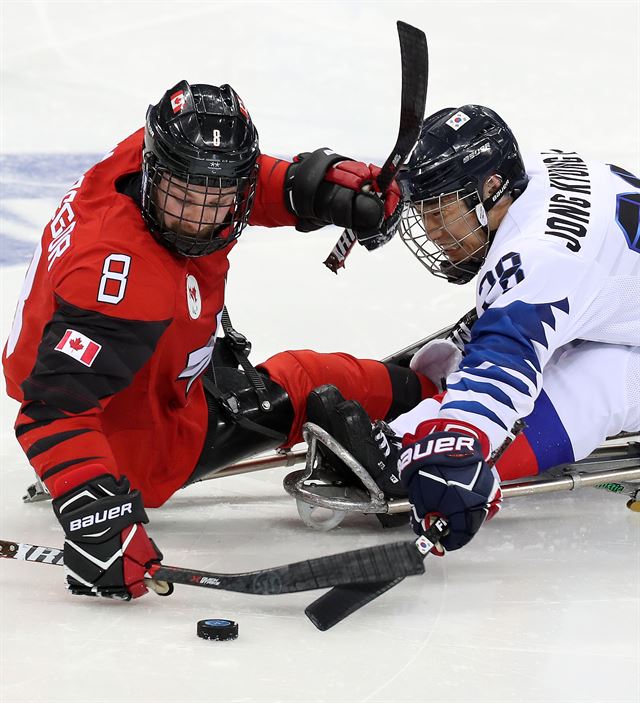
112	332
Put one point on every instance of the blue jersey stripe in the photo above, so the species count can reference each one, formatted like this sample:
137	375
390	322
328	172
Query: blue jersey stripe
547	436
505	336
496	373
466	384
475	408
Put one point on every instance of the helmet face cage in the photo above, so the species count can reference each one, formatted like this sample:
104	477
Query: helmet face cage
427	228
195	215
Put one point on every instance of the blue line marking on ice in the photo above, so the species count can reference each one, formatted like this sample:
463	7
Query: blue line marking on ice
13	218
14	251
32	177
41	175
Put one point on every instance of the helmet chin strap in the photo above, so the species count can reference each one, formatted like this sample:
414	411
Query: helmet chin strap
481	214
484	206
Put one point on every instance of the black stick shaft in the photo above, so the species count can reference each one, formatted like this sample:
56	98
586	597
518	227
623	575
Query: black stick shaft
371	564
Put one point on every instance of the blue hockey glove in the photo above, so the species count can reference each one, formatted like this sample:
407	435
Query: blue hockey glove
444	470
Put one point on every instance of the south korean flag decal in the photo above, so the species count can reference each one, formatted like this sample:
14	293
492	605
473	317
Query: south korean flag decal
194	301
457	120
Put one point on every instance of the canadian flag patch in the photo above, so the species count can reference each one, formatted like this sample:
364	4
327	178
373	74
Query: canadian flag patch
178	101
79	346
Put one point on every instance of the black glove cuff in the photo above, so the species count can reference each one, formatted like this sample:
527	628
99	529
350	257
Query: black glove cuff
303	178
98	510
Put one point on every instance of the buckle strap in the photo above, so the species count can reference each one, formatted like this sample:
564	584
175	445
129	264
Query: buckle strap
230	404
240	346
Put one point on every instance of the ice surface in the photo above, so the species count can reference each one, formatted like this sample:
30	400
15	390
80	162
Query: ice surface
544	605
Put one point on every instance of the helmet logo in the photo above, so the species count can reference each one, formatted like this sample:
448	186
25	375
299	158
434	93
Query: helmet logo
476	152
214	164
194	301
178	101
500	192
457	120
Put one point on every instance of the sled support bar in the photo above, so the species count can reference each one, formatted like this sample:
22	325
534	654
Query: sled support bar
259	463
297	456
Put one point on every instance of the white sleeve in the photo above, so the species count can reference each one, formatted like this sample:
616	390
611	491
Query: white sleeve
527	315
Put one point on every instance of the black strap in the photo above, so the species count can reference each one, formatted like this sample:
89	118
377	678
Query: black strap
230	403
240	346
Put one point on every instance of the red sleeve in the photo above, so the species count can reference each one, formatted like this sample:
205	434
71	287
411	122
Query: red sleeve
108	320
269	209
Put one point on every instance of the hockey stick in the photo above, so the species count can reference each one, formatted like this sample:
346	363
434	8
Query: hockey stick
342	600
371	564
415	75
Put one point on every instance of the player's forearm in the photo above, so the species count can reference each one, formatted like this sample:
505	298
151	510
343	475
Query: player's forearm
59	445
269	208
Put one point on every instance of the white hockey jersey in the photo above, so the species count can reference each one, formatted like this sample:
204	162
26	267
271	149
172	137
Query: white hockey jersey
564	266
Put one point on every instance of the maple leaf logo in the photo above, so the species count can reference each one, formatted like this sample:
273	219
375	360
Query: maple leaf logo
76	344
193	294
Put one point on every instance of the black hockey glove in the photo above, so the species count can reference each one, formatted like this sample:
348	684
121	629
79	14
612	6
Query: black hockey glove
323	188
106	551
444	470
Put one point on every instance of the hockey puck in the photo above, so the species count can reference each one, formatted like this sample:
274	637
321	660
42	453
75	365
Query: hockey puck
217	629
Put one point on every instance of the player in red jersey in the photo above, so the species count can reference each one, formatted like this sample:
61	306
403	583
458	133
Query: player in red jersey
121	307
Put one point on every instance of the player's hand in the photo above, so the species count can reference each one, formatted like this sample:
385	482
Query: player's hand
361	178
322	187
106	551
444	470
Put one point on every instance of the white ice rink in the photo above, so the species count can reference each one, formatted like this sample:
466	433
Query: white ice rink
544	605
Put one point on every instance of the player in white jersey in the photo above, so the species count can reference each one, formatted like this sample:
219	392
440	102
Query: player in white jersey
555	246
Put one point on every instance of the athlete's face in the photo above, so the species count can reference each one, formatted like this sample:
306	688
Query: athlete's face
194	210
451	223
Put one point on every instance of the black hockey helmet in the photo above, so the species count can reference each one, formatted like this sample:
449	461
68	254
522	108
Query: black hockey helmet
199	168
458	150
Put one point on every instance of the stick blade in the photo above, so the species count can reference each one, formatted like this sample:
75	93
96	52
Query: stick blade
414	56
341	601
